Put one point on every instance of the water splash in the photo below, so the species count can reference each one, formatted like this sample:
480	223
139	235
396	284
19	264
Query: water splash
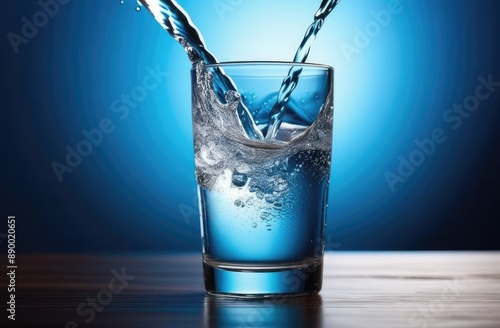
174	19
179	25
290	82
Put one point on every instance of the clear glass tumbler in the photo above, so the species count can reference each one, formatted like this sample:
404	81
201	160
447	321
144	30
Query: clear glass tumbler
262	201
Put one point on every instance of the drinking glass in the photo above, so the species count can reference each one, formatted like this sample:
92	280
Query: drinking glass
262	200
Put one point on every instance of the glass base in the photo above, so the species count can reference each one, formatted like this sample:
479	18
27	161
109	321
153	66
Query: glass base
263	281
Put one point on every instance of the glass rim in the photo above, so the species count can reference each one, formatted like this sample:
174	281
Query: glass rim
278	63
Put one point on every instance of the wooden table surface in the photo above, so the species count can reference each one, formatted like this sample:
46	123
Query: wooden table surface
361	289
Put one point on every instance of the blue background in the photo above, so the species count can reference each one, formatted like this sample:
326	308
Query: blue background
136	190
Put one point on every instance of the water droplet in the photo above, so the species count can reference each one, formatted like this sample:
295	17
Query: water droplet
138	8
254	225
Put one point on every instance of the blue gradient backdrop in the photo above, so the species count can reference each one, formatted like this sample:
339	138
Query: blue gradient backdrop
135	191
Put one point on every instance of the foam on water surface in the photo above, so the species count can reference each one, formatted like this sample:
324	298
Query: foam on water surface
222	146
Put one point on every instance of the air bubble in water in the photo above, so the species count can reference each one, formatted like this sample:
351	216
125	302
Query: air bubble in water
138	8
210	154
239	203
280	184
254	225
239	179
271	199
232	96
258	193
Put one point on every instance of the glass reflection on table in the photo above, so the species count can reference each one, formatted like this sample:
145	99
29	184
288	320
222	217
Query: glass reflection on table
279	311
